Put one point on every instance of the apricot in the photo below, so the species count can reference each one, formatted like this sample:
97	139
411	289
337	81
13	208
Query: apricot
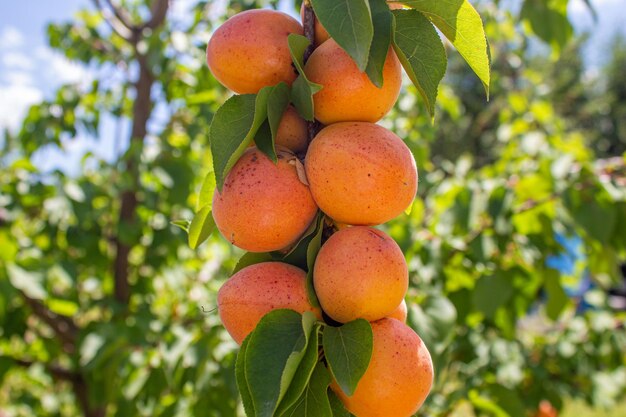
321	35
360	173
360	272
347	93
258	289
250	50
399	376
399	313
292	131
263	206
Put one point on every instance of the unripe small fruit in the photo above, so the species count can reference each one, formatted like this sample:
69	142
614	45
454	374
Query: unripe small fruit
250	50
263	206
360	272
400	313
292	131
258	289
360	173
347	93
399	376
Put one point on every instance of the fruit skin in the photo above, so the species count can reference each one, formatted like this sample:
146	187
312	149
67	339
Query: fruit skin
258	289
263	207
347	93
292	131
360	272
360	173
399	376
250	50
400	313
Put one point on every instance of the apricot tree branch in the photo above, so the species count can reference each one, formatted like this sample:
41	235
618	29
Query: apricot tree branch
309	31
122	16
116	25
158	13
63	326
142	110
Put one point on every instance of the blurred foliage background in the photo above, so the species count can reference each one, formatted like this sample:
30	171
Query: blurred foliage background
514	243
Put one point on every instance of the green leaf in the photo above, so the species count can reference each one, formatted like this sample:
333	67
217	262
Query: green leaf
491	292
205	198
242	381
462	25
273	355
557	298
314	401
434	320
383	24
304	372
233	128
183	224
421	53
201	227
302	89
348	351
264	141
311	254
276	105
349	23
339	410
230	133
252	258
548	20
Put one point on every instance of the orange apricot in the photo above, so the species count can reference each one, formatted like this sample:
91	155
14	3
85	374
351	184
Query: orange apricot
321	34
398	378
292	131
258	289
250	50
263	206
399	313
360	173
360	272
347	93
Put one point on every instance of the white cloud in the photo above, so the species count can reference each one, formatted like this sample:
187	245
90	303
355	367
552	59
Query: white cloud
18	78
11	38
59	69
14	101
17	60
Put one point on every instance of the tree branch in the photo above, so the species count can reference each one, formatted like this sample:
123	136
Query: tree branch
116	25
55	370
122	16
158	12
142	109
309	31
63	326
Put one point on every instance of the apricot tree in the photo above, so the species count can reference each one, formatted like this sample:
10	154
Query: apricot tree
359	174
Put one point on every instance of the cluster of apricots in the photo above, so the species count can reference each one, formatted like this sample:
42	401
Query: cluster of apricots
357	172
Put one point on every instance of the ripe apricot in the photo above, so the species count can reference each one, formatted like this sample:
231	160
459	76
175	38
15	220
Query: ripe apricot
360	272
250	50
258	289
399	376
347	93
263	206
292	131
360	173
399	313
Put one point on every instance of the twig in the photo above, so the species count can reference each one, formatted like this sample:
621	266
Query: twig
63	326
309	31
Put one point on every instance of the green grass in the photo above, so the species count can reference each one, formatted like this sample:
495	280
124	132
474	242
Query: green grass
579	409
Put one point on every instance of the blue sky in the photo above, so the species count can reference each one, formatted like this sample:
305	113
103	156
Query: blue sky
30	71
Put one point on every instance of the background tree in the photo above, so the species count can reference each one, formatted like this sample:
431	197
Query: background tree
104	309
